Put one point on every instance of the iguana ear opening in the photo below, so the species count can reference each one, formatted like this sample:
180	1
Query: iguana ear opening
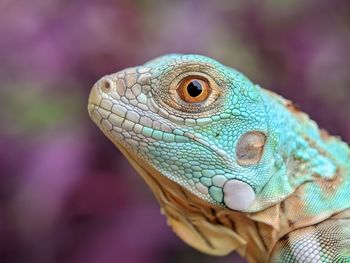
250	148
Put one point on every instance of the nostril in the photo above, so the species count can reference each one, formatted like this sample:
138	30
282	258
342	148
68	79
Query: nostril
106	85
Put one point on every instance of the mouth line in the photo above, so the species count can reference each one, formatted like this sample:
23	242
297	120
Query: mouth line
146	132
124	125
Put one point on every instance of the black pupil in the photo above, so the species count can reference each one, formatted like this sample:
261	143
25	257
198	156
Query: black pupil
194	89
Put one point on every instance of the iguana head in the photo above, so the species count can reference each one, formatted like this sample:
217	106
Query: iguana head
197	122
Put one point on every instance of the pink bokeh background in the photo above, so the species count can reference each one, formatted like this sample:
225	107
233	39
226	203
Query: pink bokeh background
66	193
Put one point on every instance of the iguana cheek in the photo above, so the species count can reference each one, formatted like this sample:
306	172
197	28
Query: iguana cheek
238	195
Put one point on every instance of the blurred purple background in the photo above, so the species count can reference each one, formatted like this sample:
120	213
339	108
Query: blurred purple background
66	193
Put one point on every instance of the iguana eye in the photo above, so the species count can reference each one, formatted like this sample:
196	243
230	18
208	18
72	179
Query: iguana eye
194	89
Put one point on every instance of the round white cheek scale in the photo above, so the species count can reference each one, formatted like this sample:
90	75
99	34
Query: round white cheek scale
238	195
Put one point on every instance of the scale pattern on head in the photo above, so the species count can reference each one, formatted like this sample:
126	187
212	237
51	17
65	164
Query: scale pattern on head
199	123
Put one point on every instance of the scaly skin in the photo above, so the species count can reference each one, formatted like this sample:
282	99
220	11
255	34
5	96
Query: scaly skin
241	170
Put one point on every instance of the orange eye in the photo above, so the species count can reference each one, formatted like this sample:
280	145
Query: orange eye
194	89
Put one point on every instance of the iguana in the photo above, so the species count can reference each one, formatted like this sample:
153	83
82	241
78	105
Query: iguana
234	167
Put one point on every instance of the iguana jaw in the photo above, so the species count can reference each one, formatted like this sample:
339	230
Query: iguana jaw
237	195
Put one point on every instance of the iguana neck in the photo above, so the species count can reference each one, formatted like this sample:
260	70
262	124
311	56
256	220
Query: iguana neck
303	153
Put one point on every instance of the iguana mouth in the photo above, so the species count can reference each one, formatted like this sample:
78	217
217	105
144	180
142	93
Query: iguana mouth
127	128
130	123
123	128
134	130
